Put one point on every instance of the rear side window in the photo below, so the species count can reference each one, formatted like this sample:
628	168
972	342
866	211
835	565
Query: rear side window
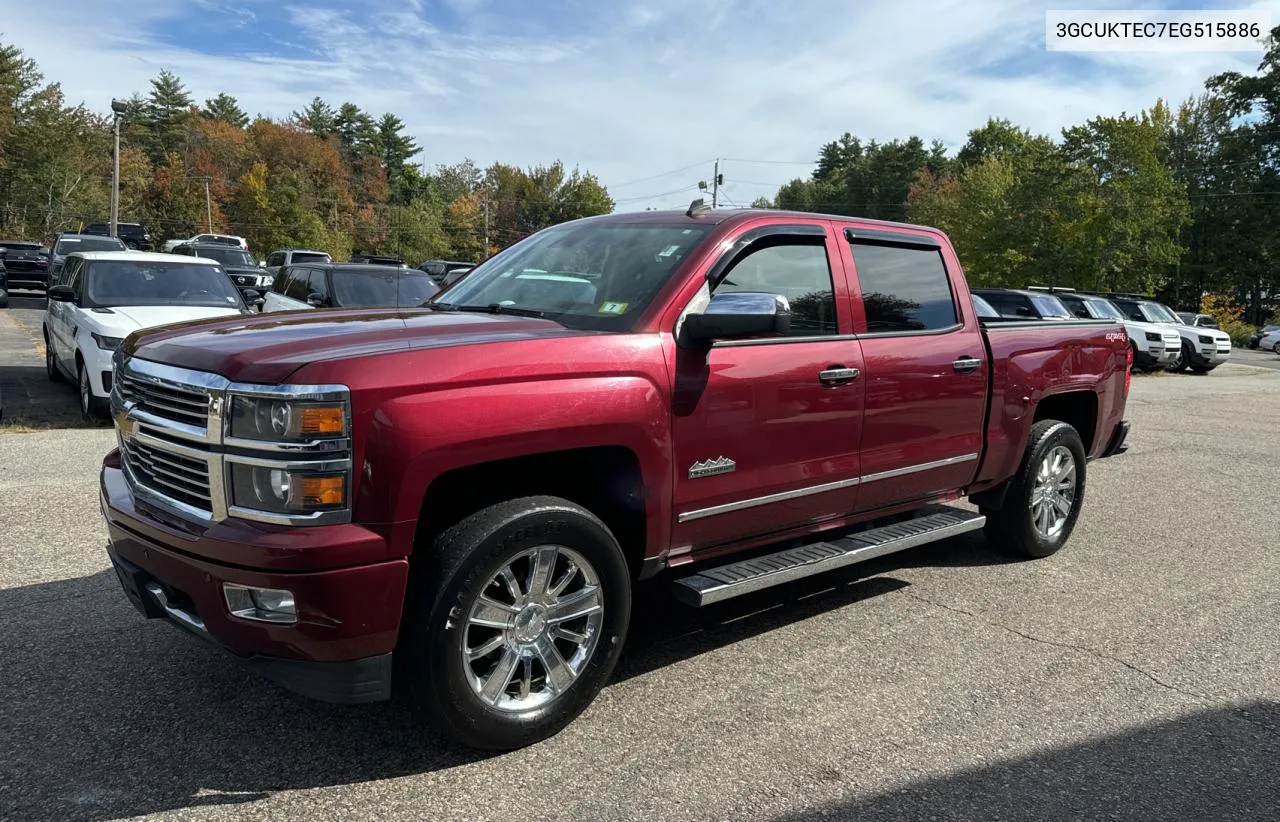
1051	307
904	288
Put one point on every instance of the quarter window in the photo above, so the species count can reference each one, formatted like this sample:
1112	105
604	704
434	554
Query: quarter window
799	272
904	288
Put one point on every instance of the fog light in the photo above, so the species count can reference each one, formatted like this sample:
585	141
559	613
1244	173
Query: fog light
260	604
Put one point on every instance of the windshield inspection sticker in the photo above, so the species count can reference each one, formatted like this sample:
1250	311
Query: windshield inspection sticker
613	308
668	251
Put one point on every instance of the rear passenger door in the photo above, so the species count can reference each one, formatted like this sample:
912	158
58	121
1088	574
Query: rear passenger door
925	368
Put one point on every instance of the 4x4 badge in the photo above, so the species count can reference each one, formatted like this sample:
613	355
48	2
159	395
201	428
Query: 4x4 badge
708	468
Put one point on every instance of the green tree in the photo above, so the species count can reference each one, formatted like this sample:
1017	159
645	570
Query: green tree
168	107
318	117
226	109
396	148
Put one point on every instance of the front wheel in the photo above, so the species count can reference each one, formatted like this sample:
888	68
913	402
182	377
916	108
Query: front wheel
1045	495
91	407
1182	359
519	620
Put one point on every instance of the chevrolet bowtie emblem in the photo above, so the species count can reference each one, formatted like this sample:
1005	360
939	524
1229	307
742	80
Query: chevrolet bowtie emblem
708	468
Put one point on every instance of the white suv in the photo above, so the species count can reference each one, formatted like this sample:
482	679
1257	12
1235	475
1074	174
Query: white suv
1203	349
102	297
1155	346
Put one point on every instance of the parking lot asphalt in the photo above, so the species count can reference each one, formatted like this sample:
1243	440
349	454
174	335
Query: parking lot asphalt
1131	676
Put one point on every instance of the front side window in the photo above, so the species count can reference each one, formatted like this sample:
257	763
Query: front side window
904	288
592	275
127	283
317	286
799	272
296	285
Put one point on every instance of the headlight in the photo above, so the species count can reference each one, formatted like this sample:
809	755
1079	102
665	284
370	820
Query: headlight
1153	336
267	282
107	343
1206	340
286	489
287	420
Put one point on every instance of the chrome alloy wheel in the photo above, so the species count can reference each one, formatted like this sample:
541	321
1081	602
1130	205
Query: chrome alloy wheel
533	628
1054	491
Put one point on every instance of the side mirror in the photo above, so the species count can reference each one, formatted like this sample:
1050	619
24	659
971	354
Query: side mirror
251	294
61	293
315	300
738	315
262	263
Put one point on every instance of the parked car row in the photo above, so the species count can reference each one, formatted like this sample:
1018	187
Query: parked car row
1159	337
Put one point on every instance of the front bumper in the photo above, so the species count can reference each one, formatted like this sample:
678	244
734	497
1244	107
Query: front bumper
348	618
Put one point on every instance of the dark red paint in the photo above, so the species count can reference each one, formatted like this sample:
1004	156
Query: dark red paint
432	392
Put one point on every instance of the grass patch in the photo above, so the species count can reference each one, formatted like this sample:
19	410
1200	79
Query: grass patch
56	422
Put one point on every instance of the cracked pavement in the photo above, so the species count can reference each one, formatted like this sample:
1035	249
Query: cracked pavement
1131	676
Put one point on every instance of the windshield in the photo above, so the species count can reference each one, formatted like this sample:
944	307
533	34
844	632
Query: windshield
216	238
1051	307
983	308
1163	314
68	245
310	257
1103	310
228	256
586	275
128	283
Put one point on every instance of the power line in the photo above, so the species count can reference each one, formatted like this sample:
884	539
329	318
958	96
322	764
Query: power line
663	174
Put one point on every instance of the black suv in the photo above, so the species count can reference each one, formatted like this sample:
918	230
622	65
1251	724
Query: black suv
133	235
249	279
376	259
1027	305
26	262
348	285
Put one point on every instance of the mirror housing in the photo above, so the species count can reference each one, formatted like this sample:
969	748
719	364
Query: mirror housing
262	263
61	293
737	315
315	300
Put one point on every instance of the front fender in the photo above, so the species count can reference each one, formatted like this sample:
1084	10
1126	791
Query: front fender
414	439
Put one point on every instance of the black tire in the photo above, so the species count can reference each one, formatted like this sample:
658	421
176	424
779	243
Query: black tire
462	562
50	361
1203	369
1183	360
91	407
1011	527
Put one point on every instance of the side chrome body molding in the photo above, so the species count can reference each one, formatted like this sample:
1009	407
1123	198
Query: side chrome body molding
781	496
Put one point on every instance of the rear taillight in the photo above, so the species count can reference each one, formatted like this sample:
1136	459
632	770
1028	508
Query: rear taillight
1128	368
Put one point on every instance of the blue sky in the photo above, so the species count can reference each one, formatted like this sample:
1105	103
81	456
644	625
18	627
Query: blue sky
636	92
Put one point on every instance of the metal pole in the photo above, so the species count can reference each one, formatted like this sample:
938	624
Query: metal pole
115	180
208	205
715	184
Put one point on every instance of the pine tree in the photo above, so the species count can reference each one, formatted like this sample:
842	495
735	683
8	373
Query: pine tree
226	108
396	148
319	118
357	134
167	109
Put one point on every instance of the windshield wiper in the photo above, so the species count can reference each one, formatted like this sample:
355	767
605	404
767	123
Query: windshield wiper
498	308
438	306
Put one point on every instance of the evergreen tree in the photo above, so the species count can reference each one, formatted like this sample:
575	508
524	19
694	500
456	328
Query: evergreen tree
226	108
396	148
167	108
319	118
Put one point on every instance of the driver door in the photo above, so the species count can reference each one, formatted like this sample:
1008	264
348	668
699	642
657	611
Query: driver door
767	431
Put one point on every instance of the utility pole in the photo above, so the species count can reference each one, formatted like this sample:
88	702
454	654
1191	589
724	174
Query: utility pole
118	108
208	205
716	181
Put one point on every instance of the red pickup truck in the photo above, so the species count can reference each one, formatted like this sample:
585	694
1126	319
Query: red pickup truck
459	498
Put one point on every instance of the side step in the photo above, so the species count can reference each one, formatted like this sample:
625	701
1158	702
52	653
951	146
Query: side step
727	581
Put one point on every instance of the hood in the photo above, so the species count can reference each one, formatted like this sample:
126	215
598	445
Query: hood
130	318
1162	329
267	348
242	269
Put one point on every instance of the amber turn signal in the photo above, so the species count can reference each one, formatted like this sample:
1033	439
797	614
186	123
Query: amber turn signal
322	419
323	491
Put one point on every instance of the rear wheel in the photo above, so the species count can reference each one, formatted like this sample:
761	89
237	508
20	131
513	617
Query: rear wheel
1045	495
518	622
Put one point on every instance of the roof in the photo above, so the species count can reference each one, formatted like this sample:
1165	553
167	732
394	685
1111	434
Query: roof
355	267
721	216
1024	292
141	257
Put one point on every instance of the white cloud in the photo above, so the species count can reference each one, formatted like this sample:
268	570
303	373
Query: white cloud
632	93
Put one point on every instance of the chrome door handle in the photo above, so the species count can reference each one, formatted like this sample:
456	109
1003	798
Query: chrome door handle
838	375
966	364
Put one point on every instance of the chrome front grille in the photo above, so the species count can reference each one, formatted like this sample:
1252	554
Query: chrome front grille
186	404
176	476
